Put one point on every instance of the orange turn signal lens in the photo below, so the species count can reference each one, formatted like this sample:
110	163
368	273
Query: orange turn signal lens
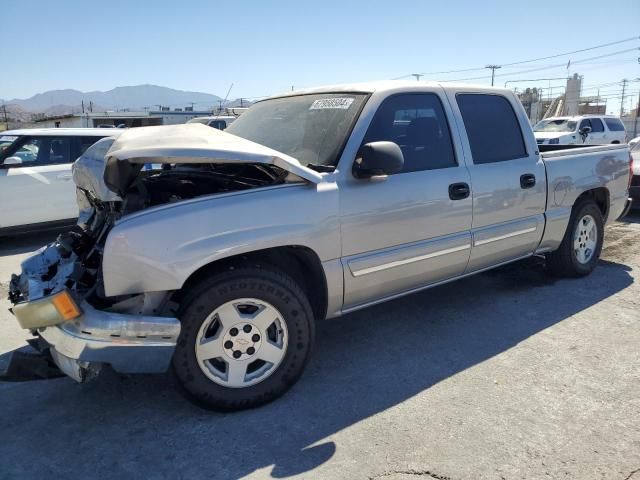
65	305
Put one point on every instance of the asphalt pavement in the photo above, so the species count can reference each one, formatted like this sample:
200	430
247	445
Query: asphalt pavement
510	374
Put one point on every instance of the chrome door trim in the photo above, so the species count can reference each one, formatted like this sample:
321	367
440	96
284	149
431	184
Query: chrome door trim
398	263
429	285
477	243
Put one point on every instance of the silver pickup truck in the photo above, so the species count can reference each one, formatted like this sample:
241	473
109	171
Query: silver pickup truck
309	206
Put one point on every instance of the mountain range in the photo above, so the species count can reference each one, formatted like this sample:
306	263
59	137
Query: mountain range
135	97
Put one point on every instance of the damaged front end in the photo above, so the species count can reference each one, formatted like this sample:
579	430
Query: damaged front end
60	296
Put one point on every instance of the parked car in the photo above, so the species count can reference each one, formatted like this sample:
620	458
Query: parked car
219	122
579	130
634	189
309	206
36	190
633	141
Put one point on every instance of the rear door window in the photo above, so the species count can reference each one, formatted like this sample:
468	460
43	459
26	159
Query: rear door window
59	150
492	128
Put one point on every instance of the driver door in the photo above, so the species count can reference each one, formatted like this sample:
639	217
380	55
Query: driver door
412	228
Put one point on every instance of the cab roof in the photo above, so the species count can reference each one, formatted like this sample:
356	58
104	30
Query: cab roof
388	85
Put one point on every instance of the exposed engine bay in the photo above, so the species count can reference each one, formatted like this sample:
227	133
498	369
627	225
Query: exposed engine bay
182	182
74	260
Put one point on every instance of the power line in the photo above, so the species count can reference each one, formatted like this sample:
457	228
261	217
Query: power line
617	42
575	51
548	66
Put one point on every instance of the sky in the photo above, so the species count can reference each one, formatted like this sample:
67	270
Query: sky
266	47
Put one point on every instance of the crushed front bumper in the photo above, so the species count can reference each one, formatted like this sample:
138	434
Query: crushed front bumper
129	343
79	337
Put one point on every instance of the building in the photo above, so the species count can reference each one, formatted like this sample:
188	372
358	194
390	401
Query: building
116	118
569	103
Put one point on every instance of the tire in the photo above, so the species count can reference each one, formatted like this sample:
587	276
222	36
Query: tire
227	315
567	260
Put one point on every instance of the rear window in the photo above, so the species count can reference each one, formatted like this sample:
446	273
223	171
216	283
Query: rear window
492	127
614	124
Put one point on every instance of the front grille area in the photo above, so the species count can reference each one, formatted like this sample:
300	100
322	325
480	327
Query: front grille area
635	181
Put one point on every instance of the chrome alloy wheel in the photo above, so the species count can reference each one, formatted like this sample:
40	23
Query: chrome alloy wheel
241	342
585	239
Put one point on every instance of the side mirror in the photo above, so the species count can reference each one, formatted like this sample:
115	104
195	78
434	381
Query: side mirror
12	161
584	131
378	159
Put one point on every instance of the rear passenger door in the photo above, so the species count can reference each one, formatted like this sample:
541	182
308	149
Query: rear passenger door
412	228
508	179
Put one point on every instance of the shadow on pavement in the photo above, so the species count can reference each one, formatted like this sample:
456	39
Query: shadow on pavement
364	363
28	242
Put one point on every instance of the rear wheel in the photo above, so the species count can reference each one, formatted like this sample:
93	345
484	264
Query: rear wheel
246	337
580	249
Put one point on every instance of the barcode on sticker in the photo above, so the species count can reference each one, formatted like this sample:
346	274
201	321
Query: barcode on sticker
339	103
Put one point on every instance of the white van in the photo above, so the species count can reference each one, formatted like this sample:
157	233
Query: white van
36	187
581	129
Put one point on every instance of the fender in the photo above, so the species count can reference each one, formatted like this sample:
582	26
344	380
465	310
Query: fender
159	248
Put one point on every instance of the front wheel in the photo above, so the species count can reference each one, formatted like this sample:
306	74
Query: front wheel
580	249
246	337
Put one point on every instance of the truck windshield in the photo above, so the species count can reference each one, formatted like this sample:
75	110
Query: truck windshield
557	125
310	128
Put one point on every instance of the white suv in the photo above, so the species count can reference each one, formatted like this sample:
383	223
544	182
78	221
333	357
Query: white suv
36	188
578	130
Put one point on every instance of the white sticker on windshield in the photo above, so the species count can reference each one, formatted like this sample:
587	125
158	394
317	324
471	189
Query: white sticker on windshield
339	103
7	138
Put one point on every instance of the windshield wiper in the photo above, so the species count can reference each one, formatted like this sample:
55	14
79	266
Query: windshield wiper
321	168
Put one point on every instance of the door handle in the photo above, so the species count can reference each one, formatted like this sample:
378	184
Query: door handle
528	180
459	191
64	176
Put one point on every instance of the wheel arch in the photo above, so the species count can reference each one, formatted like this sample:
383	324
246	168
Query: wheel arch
600	196
299	262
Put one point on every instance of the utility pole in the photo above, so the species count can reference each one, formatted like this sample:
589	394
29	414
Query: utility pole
417	75
493	71
6	119
624	87
635	122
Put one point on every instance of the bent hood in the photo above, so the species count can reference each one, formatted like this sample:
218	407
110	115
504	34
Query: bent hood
190	143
